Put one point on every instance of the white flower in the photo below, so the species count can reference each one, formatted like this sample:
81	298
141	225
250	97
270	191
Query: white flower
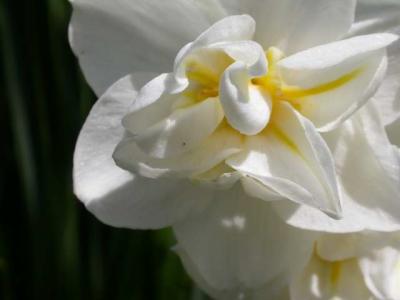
363	266
273	99
226	109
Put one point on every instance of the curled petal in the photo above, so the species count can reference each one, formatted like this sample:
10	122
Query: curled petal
214	150
183	130
249	53
229	29
151	105
246	107
329	83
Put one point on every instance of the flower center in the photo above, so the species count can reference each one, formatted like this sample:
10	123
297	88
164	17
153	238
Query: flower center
204	82
271	82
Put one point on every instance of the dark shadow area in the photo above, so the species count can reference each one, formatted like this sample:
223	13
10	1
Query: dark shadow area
50	246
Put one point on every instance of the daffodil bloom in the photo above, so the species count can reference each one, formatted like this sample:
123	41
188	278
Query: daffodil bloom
363	266
249	126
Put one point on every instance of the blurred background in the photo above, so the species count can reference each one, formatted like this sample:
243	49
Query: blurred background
50	246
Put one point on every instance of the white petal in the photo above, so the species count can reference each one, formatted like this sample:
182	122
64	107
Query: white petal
246	107
292	159
327	280
383	16
295	25
261	293
368	169
256	189
335	247
332	81
151	105
223	143
233	245
113	195
145	203
182	131
204	67
381	272
99	136
232	28
229	29
115	38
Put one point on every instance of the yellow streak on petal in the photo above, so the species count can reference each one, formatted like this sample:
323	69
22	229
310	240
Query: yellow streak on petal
271	81
336	270
273	56
294	92
285	139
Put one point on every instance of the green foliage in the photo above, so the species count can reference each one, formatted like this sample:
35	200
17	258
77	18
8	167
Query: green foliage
50	246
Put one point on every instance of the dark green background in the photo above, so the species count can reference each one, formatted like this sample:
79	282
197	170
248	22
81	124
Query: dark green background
50	246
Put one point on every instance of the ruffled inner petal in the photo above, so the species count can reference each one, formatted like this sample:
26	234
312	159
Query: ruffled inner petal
247	107
182	131
214	150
